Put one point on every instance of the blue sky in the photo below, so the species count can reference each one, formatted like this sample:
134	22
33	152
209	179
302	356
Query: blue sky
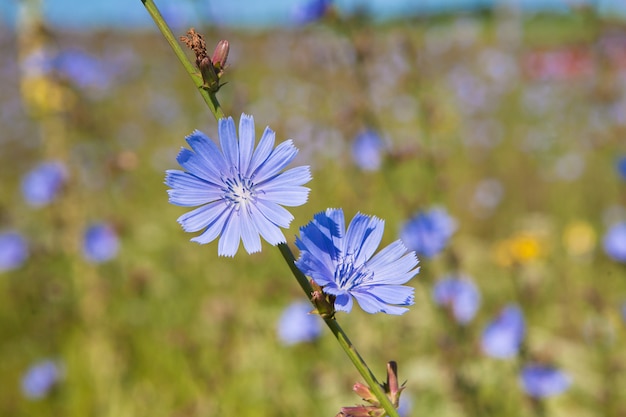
81	14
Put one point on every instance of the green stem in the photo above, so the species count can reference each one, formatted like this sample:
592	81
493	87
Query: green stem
291	261
341	337
214	105
208	96
361	366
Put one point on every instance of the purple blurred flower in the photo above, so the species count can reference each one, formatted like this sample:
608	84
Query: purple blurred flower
41	185
542	381
428	232
615	242
367	150
297	324
83	69
40	378
100	243
621	167
39	62
460	295
503	336
343	263
405	406
13	251
309	11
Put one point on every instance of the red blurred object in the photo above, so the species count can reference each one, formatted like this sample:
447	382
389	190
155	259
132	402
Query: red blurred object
560	64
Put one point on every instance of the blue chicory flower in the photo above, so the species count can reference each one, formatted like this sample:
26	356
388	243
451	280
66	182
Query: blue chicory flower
367	150
41	185
615	242
13	250
309	11
240	190
504	335
341	262
542	381
297	324
428	232
100	243
460	295
40	378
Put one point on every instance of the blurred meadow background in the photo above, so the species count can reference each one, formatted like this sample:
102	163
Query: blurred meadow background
510	125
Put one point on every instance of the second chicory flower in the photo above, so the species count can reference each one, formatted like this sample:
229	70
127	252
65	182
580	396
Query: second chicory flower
343	263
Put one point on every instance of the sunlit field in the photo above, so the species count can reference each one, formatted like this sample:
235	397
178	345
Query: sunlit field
513	127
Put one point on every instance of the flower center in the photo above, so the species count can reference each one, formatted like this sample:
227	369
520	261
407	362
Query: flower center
239	192
349	275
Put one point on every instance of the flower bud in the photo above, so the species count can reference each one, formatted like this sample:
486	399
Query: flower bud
210	78
364	392
362	411
220	56
393	389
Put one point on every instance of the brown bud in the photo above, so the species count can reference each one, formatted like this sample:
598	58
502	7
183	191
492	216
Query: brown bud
210	78
393	388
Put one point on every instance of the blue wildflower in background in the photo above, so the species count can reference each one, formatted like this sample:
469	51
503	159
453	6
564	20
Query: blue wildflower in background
460	295
240	190
13	250
37	63
405	406
40	378
309	11
428	232
297	324
503	337
621	167
341	262
542	381
100	243
367	150
614	242
83	69
41	185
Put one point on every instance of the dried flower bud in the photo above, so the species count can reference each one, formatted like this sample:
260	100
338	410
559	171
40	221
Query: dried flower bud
220	56
210	69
